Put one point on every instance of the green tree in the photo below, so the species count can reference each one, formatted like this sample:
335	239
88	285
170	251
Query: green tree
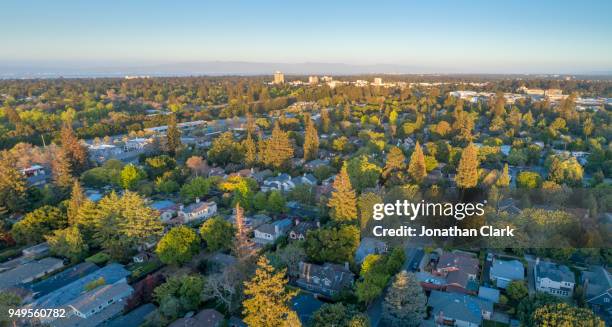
565	171
130	176
528	179
178	246
504	178
277	150
268	299
363	173
562	314
225	150
37	224
8	300
68	243
196	188
179	295
395	162
332	244
417	168
173	136
339	315
276	202
405	303
139	223
311	141
467	171
365	205
342	202
250	151
77	198
217	233
517	290
12	184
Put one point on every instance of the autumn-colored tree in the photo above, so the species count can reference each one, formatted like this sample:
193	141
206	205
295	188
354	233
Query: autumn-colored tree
311	141
197	165
405	303
250	151
68	243
395	162
563	314
243	246
325	121
467	171
75	152
62	171
343	201
277	150
12	185
173	136
417	168
77	198
504	177
268	299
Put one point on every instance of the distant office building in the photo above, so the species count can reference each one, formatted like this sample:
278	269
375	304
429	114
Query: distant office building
279	78
313	80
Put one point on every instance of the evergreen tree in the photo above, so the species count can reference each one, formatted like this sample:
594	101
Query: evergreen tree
417	168
278	150
87	218
178	246
405	303
250	151
77	198
325	121
139	223
62	171
395	162
173	136
243	246
467	171
268	300
311	141
504	178
12	185
68	243
343	201
75	152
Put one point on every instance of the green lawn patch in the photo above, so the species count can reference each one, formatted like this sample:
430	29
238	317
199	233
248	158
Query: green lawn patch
100	258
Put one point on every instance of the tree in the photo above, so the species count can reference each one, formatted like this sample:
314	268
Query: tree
130	175
504	178
68	243
528	305
276	202
395	162
250	151
225	150
363	173
311	141
217	233
197	165
268	300
517	290
158	165
62	170
365	204
528	179
243	247
342	202
196	188
173	136
333	244
562	314
74	151
12	184
8	300
565	171
38	223
467	171
405	303
277	150
179	295
139	223
417	168
178	246
77	198
339	315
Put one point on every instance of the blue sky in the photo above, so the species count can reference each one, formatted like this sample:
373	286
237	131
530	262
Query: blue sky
458	36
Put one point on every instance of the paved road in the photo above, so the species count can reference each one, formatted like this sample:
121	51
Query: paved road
375	310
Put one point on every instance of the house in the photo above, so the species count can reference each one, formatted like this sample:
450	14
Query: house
165	208
99	299
503	272
597	284
37	251
328	279
260	176
460	270
554	279
306	179
298	232
137	144
216	171
197	211
134	318
35	175
369	245
314	164
206	317
453	309
142	256
268	233
29	272
487	293
62	279
281	182
430	282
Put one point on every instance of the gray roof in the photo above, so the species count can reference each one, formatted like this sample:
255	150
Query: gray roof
282	178
206	317
555	272
100	296
511	269
338	276
459	306
63	278
599	281
133	318
487	293
31	270
111	273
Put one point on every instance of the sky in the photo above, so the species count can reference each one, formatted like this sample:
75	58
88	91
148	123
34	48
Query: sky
433	36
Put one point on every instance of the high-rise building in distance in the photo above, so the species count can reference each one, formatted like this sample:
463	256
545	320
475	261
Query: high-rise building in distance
313	80
279	78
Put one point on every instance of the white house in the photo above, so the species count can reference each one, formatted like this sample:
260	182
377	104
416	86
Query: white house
197	211
268	233
554	279
282	182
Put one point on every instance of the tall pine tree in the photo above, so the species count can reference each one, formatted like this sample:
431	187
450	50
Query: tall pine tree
62	171
467	171
77	198
250	151
243	247
13	185
343	202
417	168
395	162
277	150
173	136
311	140
75	152
405	303
268	299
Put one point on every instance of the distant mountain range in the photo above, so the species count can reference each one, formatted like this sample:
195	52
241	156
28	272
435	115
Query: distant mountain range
215	68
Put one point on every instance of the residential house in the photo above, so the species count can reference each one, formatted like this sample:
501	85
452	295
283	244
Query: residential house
554	279
306	179
197	211
314	164
29	272
37	251
260	176
430	282
298	232
165	208
216	171
135	317
281	182
488	293
453	309
328	279
369	245
206	317
268	233
460	270
597	284
35	175
503	272
100	304
62	279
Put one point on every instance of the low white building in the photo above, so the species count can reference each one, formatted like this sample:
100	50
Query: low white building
197	211
554	279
